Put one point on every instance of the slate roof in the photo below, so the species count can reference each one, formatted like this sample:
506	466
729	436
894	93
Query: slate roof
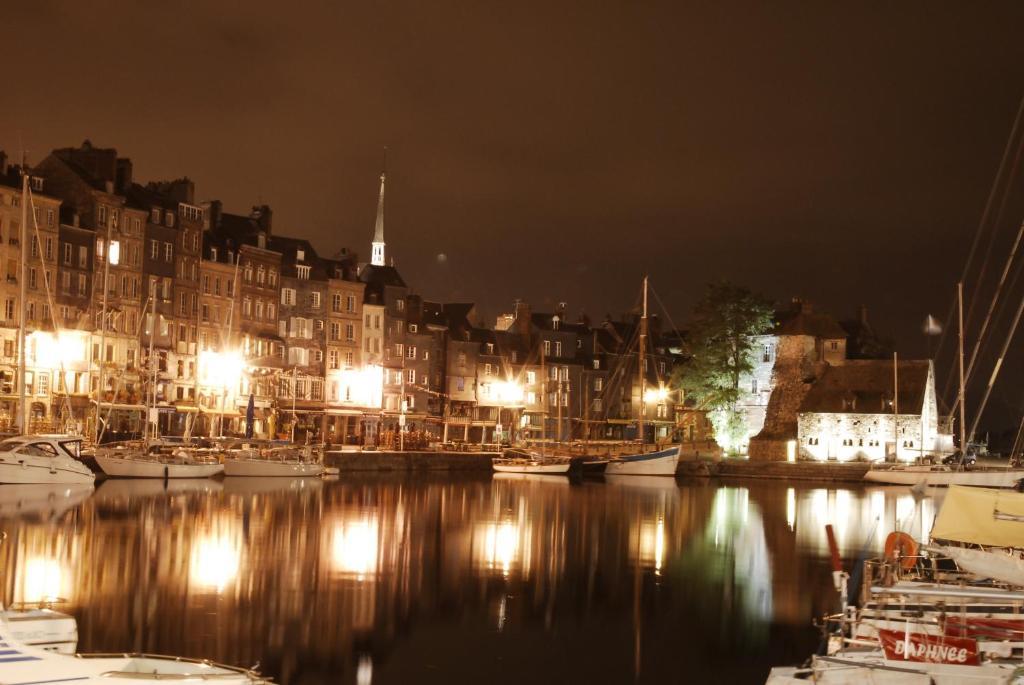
800	319
864	386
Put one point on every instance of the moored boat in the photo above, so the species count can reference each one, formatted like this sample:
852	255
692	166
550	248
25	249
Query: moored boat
282	462
43	459
661	463
520	461
25	663
135	464
940	475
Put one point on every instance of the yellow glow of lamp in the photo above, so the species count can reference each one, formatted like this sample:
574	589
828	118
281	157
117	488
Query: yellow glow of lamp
115	252
220	369
656	395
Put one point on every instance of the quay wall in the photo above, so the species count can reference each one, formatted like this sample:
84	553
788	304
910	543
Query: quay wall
741	468
481	462
410	461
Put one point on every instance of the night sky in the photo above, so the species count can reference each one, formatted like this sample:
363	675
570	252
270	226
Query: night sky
553	152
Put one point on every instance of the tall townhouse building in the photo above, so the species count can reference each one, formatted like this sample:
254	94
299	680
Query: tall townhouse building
302	324
44	374
353	383
92	182
425	330
385	297
219	338
174	230
259	294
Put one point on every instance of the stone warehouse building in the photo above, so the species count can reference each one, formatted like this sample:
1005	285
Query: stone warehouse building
853	413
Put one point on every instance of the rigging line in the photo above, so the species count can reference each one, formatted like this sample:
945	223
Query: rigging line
991	308
995	370
1000	315
981	226
1014	168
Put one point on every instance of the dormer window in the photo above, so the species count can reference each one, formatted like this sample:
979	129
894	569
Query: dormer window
554	322
300	255
154	216
213	254
261	240
37	184
169	219
490	348
303	272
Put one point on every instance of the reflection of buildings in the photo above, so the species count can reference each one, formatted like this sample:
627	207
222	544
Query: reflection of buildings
310	580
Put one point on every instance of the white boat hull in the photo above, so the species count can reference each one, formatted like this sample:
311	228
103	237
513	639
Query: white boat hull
662	463
38	471
532	468
994	478
120	467
268	467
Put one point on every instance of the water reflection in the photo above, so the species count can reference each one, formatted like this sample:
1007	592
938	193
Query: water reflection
442	580
215	556
354	546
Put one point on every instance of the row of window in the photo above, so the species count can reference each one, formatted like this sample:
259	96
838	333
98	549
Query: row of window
263	276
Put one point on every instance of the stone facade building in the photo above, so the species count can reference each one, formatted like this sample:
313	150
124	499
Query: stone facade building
801	345
850	414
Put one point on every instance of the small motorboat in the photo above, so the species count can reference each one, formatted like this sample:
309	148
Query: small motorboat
661	463
521	461
42	626
43	459
25	663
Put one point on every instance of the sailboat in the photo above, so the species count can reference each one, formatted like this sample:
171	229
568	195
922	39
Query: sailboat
528	461
956	473
151	459
49	458
661	462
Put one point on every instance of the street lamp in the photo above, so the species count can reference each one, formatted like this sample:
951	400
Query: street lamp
220	371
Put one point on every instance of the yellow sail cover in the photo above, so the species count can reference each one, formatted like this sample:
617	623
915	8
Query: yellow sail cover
981	516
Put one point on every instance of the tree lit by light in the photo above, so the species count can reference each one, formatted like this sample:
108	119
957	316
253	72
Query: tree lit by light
215	559
354	547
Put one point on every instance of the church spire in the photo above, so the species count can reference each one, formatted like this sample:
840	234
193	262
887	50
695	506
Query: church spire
377	254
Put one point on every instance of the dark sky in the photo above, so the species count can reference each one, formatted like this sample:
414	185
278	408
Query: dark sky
557	151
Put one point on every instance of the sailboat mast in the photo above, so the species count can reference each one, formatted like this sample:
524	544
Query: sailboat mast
642	363
152	362
100	388
23	325
960	354
544	400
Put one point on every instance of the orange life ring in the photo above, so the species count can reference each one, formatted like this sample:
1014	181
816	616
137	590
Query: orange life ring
900	545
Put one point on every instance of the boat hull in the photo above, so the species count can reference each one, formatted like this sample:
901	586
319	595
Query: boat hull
265	467
662	463
995	478
559	469
43	473
119	467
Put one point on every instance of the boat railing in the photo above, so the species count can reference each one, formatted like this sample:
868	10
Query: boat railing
50	603
230	672
883	573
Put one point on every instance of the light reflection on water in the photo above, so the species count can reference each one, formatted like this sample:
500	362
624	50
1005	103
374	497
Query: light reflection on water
448	580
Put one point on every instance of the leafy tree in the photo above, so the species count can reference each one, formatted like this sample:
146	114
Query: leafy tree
721	349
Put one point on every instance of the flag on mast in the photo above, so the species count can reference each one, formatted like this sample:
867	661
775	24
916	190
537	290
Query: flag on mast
932	326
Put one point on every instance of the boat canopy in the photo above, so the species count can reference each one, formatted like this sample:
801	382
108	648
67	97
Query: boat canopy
981	516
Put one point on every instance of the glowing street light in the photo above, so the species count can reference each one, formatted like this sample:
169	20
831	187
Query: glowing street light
656	395
220	369
507	392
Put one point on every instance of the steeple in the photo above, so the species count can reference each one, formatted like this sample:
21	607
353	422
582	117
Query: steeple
377	254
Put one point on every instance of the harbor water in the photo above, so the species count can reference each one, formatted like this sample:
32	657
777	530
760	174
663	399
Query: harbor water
442	579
